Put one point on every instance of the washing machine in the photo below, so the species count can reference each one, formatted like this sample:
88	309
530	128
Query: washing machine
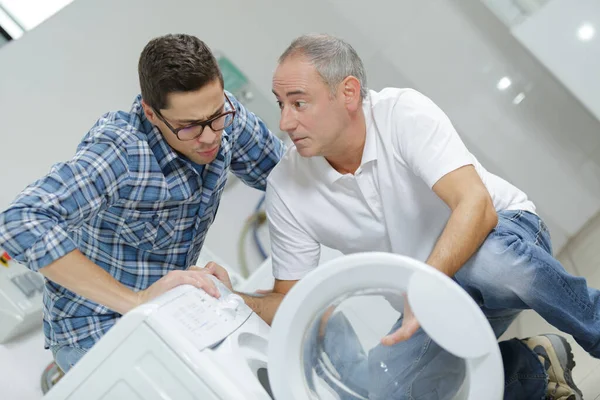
324	342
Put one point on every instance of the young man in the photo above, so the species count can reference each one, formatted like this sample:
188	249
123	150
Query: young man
387	172
121	222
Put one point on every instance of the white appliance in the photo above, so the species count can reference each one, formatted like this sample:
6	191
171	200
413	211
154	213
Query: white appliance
188	345
20	300
183	345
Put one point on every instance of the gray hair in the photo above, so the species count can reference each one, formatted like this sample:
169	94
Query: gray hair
333	58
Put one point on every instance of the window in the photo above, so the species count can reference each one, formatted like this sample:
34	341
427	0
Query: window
19	16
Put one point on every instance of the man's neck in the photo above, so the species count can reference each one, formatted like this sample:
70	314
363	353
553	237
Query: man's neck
348	155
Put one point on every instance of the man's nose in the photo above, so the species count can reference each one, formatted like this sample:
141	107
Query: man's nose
288	121
208	136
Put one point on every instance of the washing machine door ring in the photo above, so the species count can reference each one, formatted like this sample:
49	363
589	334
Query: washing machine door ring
444	310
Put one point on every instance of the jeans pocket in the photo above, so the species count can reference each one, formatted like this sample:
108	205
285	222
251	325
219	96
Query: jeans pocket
511	215
542	237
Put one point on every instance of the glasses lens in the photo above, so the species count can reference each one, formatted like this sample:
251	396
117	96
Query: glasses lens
190	133
222	122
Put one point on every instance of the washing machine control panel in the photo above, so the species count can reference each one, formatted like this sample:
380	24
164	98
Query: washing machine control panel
203	319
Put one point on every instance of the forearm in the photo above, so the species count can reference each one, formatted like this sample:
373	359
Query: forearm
77	273
469	225
264	305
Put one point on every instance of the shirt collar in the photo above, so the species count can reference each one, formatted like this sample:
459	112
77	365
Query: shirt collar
369	151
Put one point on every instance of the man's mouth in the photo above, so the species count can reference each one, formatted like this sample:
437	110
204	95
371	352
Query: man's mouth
207	152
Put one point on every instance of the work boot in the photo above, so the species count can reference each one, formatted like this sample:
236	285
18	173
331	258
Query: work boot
556	356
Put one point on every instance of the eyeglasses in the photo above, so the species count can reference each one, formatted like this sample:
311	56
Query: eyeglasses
193	131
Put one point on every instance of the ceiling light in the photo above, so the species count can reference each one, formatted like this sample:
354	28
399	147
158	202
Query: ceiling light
504	83
518	98
586	32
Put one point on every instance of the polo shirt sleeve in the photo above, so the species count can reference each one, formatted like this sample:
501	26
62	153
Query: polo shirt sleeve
426	138
294	252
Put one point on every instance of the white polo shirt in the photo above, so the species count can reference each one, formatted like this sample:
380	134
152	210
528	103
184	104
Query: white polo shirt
309	203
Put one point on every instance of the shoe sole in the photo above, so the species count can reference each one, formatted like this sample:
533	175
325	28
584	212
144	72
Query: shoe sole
563	351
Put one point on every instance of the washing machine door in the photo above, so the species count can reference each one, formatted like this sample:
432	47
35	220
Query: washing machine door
325	338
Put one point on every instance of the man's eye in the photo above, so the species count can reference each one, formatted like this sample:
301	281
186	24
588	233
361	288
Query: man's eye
280	104
299	104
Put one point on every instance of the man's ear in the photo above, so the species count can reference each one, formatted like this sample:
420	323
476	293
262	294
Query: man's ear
351	92
149	111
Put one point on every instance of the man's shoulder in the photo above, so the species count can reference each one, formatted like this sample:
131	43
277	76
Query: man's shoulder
401	112
119	128
292	171
406	98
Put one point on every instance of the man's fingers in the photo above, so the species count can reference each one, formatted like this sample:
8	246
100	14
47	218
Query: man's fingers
406	331
218	271
210	267
396	337
201	281
209	286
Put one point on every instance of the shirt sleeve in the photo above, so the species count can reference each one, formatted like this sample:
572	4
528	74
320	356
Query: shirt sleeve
427	140
35	229
294	252
255	149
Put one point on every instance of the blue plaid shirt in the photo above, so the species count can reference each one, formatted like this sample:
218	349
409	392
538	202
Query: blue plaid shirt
132	205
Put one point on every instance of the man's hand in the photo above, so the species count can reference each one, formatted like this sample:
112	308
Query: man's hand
219	272
194	276
409	326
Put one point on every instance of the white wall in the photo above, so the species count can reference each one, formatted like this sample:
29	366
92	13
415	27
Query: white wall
581	254
565	36
513	12
57	79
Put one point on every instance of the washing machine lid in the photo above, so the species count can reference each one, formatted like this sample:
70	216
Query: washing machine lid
299	342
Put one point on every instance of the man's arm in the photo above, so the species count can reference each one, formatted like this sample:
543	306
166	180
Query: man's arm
34	230
293	253
255	149
436	154
266	305
77	273
472	218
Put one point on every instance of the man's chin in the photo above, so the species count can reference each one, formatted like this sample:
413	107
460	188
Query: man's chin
306	152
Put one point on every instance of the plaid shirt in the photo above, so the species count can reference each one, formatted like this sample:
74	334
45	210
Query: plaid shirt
132	205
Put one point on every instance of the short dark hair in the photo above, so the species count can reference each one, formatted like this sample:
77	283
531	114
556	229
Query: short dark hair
175	63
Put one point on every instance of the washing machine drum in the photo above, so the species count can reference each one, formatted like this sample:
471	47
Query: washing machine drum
325	341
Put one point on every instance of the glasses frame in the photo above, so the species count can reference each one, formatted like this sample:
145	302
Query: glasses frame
203	124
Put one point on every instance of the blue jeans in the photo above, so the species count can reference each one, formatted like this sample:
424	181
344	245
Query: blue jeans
512	271
67	356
